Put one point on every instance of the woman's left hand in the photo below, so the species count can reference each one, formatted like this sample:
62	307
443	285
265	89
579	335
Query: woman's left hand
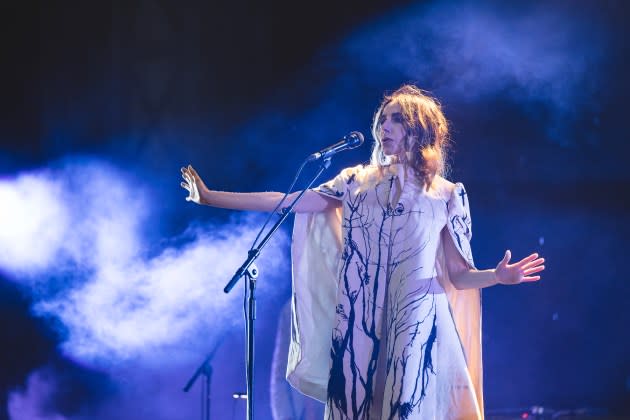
519	272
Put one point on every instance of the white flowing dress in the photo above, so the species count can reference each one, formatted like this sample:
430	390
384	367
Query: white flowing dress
378	330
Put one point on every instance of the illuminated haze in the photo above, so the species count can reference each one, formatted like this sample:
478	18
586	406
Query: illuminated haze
74	235
541	56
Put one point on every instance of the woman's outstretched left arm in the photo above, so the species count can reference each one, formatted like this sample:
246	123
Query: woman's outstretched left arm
463	277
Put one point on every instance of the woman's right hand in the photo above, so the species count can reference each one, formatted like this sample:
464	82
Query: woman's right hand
193	184
311	202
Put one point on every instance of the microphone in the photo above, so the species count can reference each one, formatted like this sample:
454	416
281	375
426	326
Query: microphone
352	140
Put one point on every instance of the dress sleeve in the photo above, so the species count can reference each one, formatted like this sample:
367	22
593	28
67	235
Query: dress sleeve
459	222
315	256
465	305
338	187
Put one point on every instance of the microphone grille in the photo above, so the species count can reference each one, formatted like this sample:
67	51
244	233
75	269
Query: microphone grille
355	139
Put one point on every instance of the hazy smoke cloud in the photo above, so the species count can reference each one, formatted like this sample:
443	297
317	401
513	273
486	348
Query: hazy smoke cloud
34	402
541	56
32	223
75	236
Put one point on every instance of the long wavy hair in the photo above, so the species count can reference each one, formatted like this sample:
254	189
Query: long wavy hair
427	133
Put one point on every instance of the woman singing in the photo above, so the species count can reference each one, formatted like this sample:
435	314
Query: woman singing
386	298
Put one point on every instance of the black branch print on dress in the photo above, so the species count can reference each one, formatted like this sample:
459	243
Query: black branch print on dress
363	254
409	312
370	234
354	257
409	307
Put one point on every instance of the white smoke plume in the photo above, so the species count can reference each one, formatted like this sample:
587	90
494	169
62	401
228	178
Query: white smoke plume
33	222
74	235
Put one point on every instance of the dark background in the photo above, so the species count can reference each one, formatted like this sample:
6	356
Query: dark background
244	90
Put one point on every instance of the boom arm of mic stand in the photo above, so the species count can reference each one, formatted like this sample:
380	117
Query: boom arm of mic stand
200	369
254	253
202	366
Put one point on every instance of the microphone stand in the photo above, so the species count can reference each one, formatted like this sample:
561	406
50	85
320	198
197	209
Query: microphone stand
204	368
250	270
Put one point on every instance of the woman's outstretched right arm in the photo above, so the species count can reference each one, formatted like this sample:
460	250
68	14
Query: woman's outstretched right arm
311	202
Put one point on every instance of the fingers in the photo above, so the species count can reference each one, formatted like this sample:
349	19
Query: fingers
532	278
189	174
188	177
188	170
529	258
529	261
533	270
191	179
534	263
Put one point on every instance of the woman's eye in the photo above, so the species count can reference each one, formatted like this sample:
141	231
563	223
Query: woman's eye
397	118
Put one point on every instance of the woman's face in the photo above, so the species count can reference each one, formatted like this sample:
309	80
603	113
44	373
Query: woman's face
392	130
